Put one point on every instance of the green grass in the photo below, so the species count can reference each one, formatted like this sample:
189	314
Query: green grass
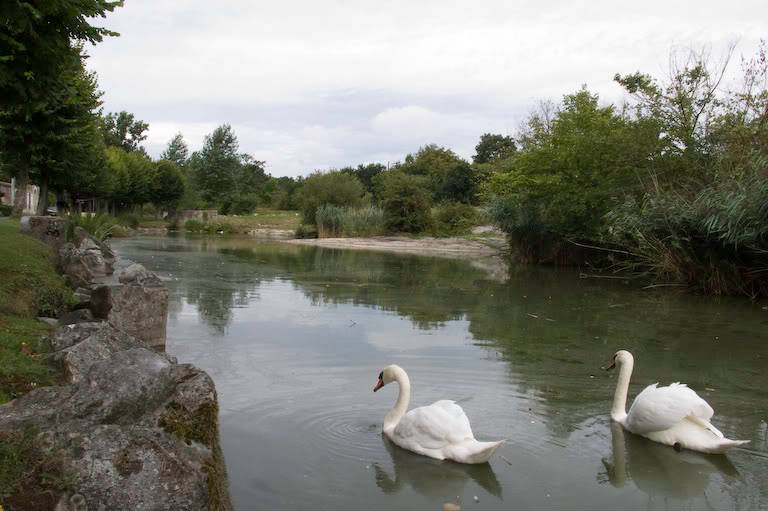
261	219
29	286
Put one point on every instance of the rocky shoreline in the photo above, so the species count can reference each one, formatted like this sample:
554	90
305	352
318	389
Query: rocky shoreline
128	427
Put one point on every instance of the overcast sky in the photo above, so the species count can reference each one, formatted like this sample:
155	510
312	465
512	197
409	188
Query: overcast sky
313	84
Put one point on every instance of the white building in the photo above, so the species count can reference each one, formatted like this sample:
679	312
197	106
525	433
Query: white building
8	195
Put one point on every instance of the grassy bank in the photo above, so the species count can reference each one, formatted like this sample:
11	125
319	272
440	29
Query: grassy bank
29	286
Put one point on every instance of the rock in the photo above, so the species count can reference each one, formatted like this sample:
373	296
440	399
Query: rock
48	321
100	302
138	274
83	297
49	229
140	306
133	429
76	266
76	316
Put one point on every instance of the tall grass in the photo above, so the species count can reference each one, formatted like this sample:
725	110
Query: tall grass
334	221
713	237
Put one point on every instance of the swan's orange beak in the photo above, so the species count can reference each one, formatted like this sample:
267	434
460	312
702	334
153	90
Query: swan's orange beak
379	384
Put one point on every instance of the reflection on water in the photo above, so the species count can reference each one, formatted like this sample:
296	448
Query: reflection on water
294	337
432	478
660	471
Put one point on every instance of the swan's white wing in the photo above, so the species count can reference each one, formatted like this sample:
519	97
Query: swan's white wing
659	408
434	426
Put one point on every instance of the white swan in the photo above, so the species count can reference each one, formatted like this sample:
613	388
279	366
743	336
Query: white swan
440	430
673	415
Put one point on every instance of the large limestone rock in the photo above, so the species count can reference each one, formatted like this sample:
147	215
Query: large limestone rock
139	305
132	429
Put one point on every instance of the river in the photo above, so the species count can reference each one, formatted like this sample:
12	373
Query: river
295	337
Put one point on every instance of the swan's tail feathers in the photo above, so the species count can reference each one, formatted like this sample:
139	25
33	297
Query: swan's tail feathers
480	452
726	444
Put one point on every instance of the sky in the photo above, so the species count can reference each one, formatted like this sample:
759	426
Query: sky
319	84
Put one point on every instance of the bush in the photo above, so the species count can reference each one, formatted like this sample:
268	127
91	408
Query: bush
131	220
405	200
244	204
99	226
363	222
197	226
335	188
714	238
6	209
329	221
454	218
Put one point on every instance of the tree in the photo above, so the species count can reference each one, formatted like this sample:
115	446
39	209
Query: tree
124	130
494	147
37	42
167	185
684	106
177	151
131	178
405	200
335	188
365	173
216	165
437	164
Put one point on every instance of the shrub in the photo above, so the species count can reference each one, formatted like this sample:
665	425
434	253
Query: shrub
99	226
193	225
131	220
336	188
329	221
454	218
714	237
6	209
363	222
405	200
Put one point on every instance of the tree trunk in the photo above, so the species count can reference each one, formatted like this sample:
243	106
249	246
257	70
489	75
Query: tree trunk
42	201
22	180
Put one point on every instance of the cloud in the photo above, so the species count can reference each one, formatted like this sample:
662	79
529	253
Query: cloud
316	84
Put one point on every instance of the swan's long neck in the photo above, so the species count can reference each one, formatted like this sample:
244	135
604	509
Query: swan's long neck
403	398
619	409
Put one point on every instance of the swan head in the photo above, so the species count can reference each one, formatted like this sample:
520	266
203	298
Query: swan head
388	375
621	357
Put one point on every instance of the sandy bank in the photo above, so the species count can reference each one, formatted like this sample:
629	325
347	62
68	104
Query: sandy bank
449	247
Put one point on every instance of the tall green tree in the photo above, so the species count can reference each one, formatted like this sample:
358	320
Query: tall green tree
124	130
37	44
494	147
177	151
167	185
215	167
448	175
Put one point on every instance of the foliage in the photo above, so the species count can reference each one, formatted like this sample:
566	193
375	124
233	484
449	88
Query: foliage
212	227
216	165
5	210
712	237
494	147
366	173
131	177
453	218
566	180
447	175
123	130
405	200
329	219
363	222
99	226
167	187
177	151
335	188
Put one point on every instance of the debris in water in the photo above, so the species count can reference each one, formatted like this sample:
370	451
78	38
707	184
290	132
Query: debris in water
477	499
450	506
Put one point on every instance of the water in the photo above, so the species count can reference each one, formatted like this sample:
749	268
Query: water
295	337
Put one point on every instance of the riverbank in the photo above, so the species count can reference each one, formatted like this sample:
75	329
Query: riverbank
98	416
447	247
